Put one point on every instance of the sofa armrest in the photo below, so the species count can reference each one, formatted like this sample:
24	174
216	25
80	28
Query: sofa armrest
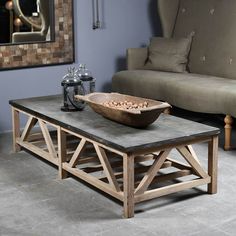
136	58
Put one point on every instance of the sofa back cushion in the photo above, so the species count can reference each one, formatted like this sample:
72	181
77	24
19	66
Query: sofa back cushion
168	54
213	23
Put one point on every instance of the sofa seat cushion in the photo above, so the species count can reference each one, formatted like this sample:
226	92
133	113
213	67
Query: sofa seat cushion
195	92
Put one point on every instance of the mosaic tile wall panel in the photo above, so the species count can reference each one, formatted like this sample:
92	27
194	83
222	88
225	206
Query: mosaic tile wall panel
61	51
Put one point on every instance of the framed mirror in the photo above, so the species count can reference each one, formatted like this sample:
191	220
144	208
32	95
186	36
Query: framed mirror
36	33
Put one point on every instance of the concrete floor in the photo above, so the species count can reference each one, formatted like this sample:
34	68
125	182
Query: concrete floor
34	202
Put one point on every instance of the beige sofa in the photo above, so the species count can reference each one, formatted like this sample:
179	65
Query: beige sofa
210	85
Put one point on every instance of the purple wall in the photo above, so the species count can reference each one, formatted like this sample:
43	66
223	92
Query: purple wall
127	23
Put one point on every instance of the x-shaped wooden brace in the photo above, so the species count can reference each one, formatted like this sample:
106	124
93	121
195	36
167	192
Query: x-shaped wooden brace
28	127
46	135
151	173
103	160
187	153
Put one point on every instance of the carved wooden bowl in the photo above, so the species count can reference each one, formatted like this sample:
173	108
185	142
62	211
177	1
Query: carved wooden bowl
140	117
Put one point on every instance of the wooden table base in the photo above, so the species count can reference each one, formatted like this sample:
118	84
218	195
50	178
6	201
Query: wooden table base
128	177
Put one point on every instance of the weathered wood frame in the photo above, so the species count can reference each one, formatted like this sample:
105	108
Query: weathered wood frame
129	191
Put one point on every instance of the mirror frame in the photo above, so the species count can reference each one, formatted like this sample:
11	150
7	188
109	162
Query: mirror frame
39	54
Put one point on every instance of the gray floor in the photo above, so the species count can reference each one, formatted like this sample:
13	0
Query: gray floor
34	202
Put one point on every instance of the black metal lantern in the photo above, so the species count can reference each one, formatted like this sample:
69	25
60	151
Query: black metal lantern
85	76
72	85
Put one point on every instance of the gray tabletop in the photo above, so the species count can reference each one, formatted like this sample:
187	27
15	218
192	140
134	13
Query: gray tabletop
166	130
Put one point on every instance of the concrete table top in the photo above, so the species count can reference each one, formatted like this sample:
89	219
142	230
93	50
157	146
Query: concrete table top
166	129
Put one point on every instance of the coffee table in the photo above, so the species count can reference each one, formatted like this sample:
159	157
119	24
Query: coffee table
132	165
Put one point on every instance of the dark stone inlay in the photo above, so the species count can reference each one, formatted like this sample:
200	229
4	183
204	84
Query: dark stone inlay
166	130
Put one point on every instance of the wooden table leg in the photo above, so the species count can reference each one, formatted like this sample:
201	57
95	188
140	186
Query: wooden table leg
213	164
128	165
15	129
228	130
61	135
